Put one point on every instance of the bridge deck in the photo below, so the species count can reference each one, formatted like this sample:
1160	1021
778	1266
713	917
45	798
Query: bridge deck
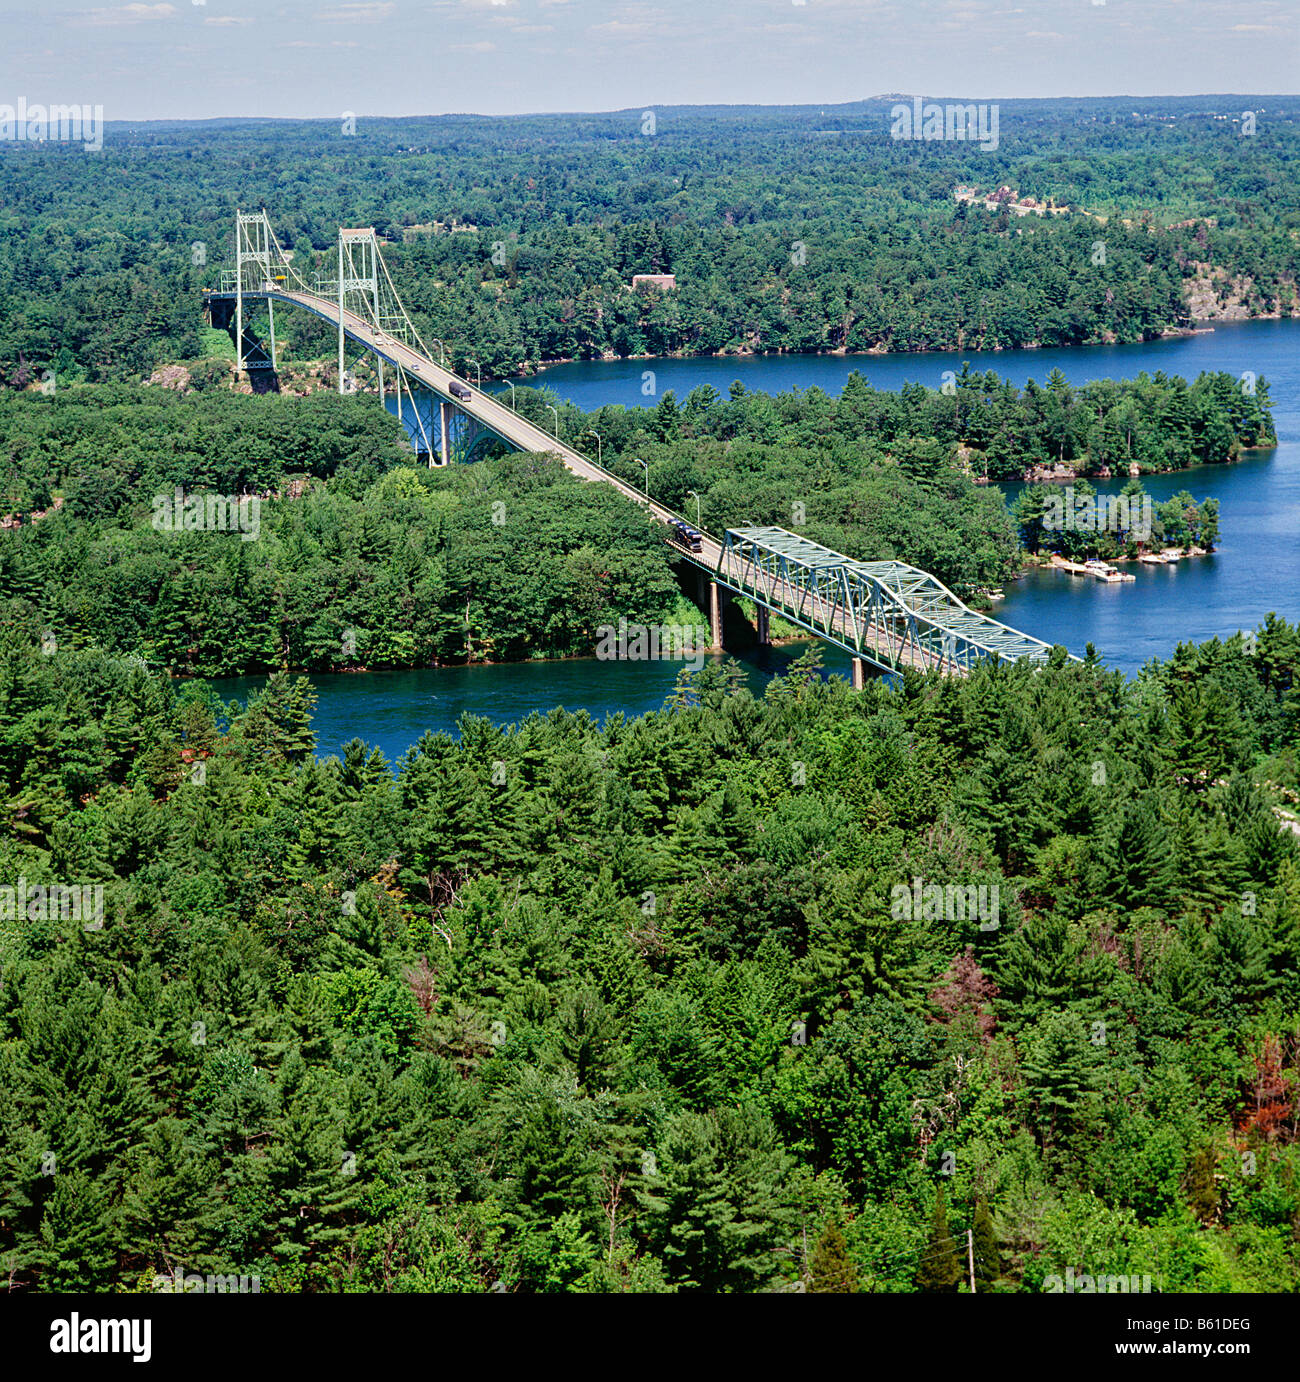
490	411
888	613
894	614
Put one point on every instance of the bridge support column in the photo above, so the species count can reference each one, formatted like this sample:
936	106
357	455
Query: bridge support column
343	366
443	425
718	599
857	673
762	620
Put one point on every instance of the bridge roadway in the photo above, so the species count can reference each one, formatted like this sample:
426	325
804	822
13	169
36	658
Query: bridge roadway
527	436
494	415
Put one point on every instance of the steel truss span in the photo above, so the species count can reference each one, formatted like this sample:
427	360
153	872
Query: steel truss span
885	613
889	613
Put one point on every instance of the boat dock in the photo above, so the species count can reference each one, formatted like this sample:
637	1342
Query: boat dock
1098	570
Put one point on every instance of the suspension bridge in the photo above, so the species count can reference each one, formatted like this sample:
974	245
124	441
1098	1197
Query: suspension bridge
884	614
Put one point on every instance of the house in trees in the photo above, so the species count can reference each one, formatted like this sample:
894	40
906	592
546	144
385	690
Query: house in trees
666	283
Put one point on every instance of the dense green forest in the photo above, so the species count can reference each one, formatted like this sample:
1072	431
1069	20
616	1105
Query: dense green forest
361	559
749	994
509	558
788	228
1081	524
647	1007
981	423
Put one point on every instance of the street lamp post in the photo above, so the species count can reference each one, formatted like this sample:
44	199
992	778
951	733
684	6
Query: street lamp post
600	453
511	382
641	463
696	497
556	411
478	369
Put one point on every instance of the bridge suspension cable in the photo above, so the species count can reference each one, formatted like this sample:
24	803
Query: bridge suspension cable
362	286
886	613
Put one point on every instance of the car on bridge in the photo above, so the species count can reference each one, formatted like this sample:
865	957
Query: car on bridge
683	535
458	390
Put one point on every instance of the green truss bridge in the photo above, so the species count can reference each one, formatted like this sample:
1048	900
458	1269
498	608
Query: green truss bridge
884	614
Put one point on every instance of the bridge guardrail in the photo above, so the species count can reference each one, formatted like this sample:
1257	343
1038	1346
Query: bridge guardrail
647	501
941	638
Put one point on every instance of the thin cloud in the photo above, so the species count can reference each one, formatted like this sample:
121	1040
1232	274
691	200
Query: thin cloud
624	28
635	21
360	12
126	14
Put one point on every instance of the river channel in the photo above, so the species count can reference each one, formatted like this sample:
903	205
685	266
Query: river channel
1256	568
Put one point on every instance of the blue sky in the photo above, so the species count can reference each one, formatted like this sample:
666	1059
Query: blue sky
201	58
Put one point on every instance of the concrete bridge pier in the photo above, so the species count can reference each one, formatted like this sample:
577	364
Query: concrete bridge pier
444	415
719	598
858	673
762	619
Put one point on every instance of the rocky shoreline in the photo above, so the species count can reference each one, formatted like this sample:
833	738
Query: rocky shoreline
529	368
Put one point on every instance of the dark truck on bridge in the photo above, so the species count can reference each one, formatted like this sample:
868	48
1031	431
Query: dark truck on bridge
458	390
685	536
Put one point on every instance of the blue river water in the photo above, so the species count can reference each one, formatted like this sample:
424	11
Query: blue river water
1255	570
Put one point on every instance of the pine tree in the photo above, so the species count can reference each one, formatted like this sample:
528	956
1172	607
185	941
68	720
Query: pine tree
78	1230
276	726
1202	1189
1207	869
1203	742
1238	961
1138	858
940	1267
831	1267
1058	1069
312	800
988	1255
806	669
685	693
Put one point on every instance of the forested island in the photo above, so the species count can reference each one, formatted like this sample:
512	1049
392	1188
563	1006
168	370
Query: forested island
363	560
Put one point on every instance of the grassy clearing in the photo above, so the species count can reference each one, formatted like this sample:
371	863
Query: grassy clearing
216	344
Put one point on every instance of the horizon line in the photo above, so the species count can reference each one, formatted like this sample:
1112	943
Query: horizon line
693	105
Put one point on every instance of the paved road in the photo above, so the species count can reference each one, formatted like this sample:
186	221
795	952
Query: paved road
527	436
